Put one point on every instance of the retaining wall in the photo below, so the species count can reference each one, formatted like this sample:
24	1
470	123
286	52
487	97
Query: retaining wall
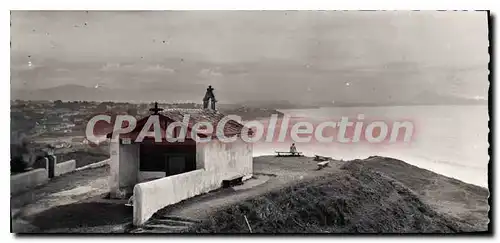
152	196
64	167
94	165
24	181
27	180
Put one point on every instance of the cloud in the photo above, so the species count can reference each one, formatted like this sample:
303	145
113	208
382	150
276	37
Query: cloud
110	66
208	72
62	70
159	68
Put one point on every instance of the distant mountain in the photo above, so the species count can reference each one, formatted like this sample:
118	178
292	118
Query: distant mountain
268	83
182	94
73	92
63	92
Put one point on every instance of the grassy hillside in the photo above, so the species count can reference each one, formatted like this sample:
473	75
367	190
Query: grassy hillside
359	200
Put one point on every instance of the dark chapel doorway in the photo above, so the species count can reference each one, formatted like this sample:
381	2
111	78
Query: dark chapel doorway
170	158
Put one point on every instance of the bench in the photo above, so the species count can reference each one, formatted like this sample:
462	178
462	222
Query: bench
323	164
232	181
288	154
321	158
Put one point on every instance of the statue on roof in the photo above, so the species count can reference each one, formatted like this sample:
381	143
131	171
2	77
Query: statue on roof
209	96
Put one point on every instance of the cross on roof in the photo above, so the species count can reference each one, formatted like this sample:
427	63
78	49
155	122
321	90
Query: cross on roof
155	109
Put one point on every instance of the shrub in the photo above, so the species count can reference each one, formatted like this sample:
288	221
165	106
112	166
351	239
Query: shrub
23	156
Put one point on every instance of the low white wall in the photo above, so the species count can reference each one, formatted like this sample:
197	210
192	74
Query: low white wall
27	180
64	167
215	161
94	165
152	196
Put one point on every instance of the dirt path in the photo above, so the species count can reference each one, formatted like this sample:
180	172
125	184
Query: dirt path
271	173
279	172
72	203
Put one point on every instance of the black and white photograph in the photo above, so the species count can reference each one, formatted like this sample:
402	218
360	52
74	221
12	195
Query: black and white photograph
250	122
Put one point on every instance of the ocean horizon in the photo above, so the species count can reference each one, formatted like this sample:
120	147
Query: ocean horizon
448	140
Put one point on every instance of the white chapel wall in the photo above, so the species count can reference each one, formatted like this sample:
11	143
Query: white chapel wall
228	159
124	164
129	164
114	163
215	162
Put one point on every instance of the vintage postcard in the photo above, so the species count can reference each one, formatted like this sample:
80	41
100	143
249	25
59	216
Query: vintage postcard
249	122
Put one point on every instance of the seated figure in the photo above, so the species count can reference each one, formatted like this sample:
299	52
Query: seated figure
293	149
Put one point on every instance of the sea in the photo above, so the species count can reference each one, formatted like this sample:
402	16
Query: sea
449	140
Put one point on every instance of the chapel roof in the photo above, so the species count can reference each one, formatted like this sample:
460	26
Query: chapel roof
168	116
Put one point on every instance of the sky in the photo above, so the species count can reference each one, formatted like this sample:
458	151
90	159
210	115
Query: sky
242	51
